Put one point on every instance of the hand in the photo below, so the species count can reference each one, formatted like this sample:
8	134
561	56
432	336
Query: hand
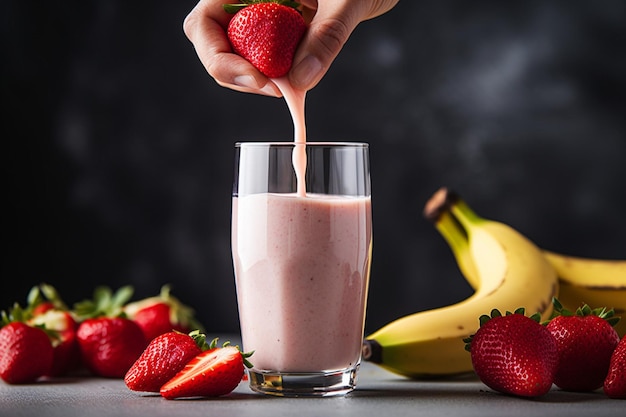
330	24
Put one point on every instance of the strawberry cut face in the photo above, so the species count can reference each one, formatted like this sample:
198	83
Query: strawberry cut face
213	373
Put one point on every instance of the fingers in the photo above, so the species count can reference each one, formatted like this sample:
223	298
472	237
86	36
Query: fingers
328	32
205	27
331	23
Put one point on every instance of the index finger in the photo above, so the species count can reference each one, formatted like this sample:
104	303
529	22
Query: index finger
205	26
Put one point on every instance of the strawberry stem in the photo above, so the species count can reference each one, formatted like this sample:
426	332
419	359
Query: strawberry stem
585	310
105	303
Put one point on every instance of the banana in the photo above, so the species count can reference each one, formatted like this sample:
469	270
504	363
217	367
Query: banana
586	272
509	272
596	282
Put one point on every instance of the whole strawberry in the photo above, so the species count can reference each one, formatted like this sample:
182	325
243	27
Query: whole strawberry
615	382
266	33
215	372
164	357
65	345
585	341
161	314
109	343
47	309
25	353
513	354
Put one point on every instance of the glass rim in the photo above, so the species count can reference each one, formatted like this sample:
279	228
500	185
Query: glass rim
244	144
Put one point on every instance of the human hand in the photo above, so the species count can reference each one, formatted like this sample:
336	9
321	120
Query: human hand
330	24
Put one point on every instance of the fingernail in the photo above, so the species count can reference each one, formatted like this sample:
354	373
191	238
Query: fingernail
246	81
306	71
270	89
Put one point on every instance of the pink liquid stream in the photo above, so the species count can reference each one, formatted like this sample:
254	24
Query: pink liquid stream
295	102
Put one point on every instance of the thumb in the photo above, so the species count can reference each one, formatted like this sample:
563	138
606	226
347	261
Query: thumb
327	33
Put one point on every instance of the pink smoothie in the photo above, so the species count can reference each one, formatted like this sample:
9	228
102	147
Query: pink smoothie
302	270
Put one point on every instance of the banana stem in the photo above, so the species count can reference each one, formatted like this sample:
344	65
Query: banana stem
464	214
438	210
457	239
452	232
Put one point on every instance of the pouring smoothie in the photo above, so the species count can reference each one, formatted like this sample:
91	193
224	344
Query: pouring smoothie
301	243
302	267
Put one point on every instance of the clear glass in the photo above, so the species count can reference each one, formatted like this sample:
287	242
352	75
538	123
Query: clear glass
302	264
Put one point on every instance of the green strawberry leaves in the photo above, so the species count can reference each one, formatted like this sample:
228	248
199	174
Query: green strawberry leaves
496	313
584	310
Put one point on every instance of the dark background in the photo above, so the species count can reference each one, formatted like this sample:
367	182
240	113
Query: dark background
117	146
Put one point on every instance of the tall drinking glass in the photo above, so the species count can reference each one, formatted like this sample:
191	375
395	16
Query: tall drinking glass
302	263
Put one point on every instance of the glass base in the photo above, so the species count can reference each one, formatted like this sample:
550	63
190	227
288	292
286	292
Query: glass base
303	384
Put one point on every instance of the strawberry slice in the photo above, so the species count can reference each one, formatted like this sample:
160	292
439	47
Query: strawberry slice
164	357
213	373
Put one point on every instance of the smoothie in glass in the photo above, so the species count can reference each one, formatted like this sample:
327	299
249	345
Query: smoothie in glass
302	269
301	246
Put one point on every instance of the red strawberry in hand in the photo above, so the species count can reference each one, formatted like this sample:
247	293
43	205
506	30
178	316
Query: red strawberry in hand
266	33
161	314
615	382
585	341
25	351
513	354
212	373
164	357
109	343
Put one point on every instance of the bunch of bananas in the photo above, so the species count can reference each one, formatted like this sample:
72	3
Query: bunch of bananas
507	271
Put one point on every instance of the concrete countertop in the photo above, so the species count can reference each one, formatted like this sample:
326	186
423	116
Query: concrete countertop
379	393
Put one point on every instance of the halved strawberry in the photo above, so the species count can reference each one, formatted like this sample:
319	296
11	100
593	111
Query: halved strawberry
164	357
161	314
213	373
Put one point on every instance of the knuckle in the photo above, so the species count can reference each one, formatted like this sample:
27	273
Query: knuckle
189	23
332	35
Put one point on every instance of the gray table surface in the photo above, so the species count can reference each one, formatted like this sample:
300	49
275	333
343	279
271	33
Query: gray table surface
379	393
